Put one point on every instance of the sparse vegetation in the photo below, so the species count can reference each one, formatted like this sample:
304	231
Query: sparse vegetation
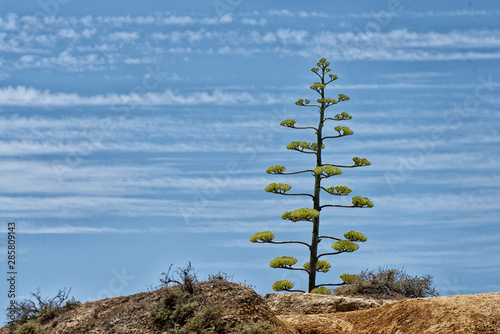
392	282
180	312
41	308
30	327
260	327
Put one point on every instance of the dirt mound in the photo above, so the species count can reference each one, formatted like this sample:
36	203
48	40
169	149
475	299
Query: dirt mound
455	314
242	305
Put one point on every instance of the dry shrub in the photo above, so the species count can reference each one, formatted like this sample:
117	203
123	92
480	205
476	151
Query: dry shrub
389	282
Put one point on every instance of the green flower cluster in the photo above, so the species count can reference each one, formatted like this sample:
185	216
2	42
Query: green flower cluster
343	97
278	169
323	63
283	262
333	77
345	246
303	145
327	171
289	123
355	236
342	116
328	101
283	285
348	278
361	202
265	236
322	291
302	102
361	161
343	130
321	265
339	190
303	214
317	86
278	188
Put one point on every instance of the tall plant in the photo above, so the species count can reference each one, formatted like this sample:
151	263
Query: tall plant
321	172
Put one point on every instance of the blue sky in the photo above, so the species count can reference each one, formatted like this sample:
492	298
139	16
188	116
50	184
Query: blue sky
136	136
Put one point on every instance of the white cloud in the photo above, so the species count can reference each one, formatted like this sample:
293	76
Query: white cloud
88	33
68	33
9	22
81	206
124	36
64	60
29	96
67	229
253	22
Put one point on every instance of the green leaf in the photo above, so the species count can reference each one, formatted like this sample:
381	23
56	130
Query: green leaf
300	102
361	162
283	262
348	278
303	214
361	202
345	246
278	169
322	291
355	236
265	236
279	188
314	69
321	265
338	190
289	123
283	285
327	171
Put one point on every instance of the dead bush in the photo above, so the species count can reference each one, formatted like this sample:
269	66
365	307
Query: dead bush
389	282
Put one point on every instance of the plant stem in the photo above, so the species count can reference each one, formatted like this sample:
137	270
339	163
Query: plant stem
317	188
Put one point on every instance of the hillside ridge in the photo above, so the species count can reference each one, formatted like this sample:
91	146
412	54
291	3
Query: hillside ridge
296	313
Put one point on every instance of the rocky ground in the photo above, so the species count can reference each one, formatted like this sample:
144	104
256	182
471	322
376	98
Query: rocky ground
292	313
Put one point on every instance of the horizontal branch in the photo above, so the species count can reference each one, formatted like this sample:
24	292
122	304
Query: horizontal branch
334	253
342	166
295	291
337	206
284	242
291	268
304	127
328	137
333	119
305	152
328	237
287	194
331	284
298	172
